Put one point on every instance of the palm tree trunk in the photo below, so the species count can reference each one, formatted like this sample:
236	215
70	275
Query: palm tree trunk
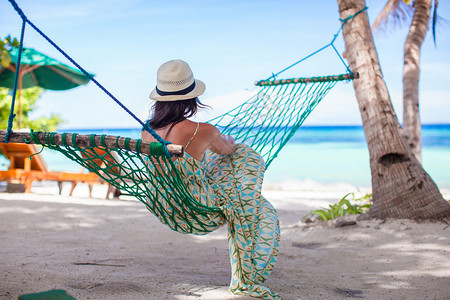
400	186
411	73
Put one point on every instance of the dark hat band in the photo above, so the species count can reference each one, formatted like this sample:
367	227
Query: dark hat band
182	92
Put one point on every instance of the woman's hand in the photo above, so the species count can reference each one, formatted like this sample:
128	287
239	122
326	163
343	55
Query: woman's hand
229	138
223	144
230	141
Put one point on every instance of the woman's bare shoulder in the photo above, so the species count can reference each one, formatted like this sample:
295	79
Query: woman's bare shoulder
208	129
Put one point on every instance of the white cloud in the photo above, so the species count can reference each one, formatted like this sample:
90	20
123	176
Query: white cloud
441	67
223	103
434	106
338	107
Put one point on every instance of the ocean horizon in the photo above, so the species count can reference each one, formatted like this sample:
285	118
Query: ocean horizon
321	153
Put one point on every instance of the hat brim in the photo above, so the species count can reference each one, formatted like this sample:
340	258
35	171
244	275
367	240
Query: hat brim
199	89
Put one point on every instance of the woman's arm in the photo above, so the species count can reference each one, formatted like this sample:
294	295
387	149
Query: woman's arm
221	144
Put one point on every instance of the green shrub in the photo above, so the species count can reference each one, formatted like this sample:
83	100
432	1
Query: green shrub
345	207
30	97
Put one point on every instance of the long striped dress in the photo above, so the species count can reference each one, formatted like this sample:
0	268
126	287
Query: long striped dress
234	183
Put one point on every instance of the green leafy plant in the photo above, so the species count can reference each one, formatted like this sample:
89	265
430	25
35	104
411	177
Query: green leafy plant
29	99
5	46
345	207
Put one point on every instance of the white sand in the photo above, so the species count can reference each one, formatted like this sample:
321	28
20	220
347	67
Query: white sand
115	249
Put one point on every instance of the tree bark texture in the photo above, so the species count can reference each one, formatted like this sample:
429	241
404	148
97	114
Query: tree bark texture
401	188
411	72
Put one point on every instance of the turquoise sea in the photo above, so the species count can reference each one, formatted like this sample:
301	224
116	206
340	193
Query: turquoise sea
325	154
330	154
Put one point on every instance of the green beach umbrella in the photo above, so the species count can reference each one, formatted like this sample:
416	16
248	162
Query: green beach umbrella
37	69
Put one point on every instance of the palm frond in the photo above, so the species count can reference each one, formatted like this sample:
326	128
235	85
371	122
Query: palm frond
394	13
433	20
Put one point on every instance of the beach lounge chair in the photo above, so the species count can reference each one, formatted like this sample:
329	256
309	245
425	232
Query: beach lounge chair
101	160
24	170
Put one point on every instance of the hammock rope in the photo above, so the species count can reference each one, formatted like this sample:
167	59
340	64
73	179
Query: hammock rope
129	165
86	73
268	120
343	21
148	172
16	80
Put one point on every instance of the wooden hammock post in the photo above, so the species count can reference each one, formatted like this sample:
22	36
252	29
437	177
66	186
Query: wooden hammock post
19	122
23	70
84	141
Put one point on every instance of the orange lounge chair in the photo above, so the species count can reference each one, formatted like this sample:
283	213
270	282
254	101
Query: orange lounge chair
25	170
107	161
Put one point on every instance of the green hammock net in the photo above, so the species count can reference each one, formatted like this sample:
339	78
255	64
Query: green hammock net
271	117
152	179
265	122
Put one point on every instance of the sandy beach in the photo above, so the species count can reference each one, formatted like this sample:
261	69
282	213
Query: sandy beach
115	249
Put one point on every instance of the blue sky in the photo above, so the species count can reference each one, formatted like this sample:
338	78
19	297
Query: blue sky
229	45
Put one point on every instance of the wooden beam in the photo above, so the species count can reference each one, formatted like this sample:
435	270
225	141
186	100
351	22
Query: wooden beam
341	77
84	141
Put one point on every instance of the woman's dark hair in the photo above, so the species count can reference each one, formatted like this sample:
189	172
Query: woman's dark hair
173	112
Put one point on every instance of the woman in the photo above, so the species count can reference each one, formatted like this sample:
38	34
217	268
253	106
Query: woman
170	119
219	173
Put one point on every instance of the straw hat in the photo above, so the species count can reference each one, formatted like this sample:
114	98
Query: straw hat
175	81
